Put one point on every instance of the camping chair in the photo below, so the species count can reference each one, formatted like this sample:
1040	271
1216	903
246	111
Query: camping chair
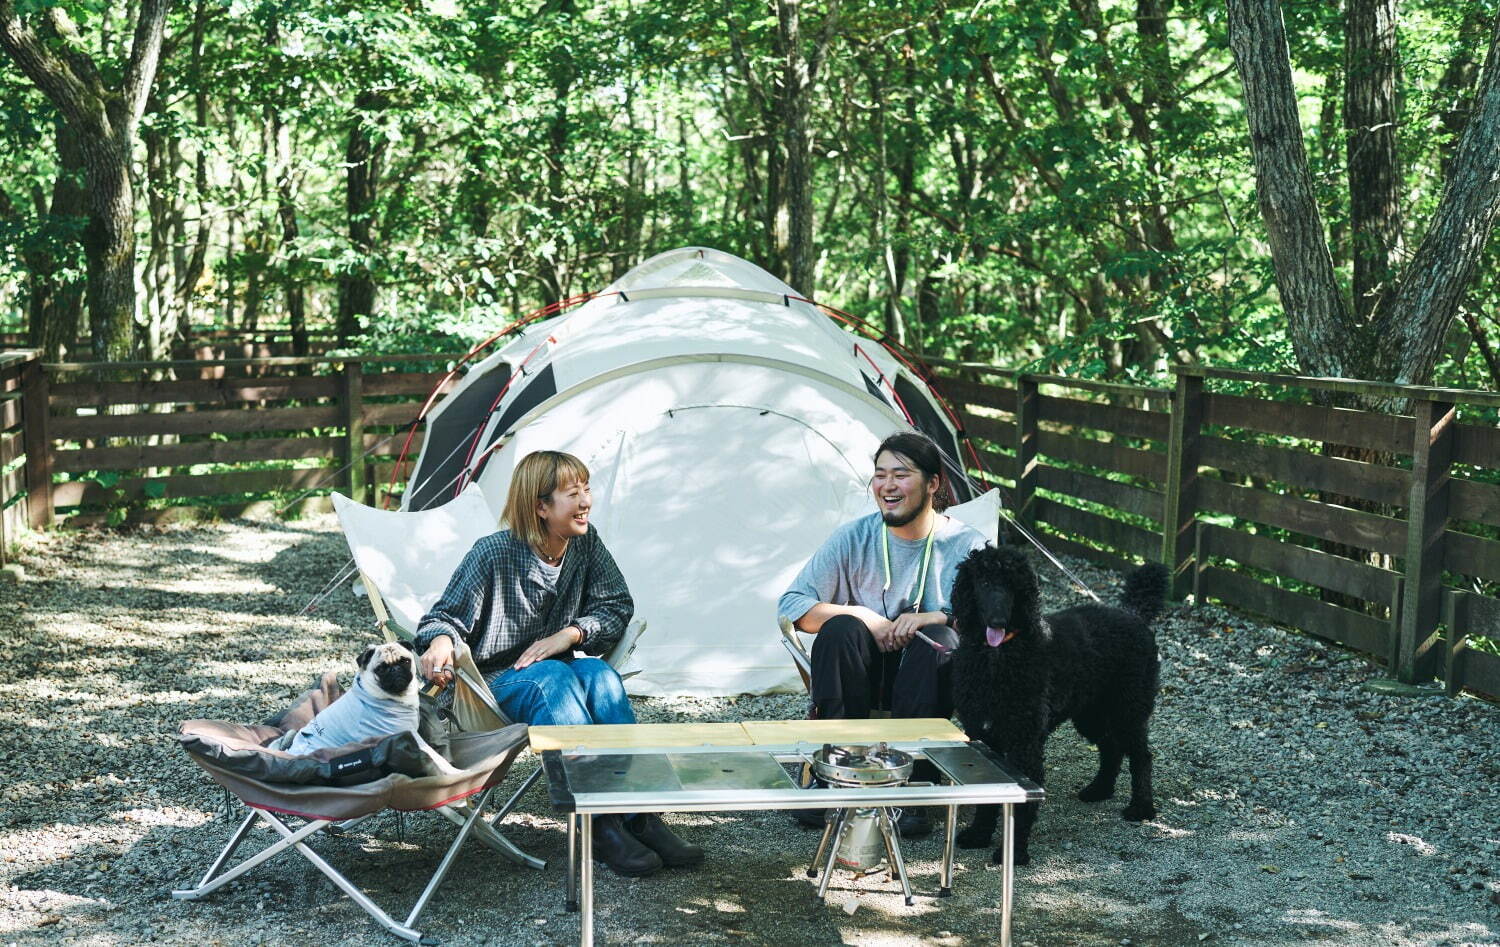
982	513
317	789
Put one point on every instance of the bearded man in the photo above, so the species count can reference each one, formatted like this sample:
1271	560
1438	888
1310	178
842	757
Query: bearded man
880	585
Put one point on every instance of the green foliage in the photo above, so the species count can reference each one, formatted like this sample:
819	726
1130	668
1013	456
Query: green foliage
1060	186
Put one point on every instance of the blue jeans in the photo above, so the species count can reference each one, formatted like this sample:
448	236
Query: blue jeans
563	693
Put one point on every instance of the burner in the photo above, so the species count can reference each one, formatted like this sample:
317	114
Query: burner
854	766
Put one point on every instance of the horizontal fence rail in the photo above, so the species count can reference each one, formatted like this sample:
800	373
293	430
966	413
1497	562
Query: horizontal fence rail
1376	529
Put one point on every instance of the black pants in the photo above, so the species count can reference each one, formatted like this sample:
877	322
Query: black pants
851	676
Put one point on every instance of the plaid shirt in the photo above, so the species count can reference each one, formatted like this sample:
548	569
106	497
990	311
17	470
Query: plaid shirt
501	599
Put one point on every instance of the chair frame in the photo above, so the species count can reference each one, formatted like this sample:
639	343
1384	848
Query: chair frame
468	815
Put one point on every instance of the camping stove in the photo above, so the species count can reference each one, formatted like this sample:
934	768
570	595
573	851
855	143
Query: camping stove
862	838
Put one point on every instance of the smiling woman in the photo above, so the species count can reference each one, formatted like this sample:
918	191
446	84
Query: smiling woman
524	599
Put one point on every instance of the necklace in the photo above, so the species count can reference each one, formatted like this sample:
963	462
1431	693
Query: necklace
553	560
920	585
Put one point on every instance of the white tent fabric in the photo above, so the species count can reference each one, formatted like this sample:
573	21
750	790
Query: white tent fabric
728	429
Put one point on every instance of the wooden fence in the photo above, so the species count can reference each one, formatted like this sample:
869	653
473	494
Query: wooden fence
1380	542
14	369
138	447
1384	545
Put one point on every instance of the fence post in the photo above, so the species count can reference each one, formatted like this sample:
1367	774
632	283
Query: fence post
1026	432
1180	503
354	428
38	445
1426	521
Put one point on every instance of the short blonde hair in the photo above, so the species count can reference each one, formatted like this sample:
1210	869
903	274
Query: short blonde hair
537	475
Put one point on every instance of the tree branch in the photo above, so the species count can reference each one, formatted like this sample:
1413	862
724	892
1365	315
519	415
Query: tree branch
1411	322
53	75
145	53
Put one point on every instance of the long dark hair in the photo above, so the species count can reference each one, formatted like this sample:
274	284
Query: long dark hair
921	452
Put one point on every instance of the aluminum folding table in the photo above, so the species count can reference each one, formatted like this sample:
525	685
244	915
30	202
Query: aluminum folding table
729	767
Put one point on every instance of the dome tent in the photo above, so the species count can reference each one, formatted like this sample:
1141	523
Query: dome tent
728	425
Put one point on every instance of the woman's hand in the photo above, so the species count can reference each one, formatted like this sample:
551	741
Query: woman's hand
437	661
544	648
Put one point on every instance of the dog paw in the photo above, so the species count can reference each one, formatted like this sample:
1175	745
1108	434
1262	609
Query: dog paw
1094	792
974	838
1023	857
1138	813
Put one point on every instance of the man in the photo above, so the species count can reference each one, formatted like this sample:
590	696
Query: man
878	582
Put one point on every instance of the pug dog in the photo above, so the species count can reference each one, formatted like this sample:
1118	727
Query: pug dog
383	701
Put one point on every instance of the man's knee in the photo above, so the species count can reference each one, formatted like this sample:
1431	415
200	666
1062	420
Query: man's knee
842	634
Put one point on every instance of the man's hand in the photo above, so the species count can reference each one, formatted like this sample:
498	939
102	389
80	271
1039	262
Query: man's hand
544	648
907	624
436	664
882	630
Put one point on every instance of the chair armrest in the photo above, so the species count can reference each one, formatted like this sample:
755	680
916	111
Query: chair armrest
621	653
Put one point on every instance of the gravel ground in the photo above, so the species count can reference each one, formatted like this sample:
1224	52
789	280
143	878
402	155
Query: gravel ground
1294	805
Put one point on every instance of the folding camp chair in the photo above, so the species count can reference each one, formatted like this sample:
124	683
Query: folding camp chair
273	785
404	561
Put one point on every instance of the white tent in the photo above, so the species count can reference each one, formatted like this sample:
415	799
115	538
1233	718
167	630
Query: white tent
728	427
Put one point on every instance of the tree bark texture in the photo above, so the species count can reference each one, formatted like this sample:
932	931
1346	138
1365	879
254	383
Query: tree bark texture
50	53
362	160
1373	166
1321	329
1410	326
792	224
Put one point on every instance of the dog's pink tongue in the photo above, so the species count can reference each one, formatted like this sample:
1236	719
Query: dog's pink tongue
994	637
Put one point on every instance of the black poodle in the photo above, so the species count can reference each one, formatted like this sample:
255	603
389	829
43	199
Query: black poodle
1018	674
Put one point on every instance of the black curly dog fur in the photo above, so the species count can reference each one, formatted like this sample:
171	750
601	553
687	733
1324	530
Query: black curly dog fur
1093	664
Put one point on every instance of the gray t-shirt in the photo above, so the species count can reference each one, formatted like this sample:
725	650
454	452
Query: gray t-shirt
848	569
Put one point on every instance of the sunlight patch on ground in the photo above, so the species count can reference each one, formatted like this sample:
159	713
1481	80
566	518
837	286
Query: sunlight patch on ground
1417	845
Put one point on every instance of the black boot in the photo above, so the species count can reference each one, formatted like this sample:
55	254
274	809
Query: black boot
914	823
653	832
620	850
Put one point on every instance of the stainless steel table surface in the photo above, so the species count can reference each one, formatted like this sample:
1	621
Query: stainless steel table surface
584	782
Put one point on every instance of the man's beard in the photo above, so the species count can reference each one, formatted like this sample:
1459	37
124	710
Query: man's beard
898	520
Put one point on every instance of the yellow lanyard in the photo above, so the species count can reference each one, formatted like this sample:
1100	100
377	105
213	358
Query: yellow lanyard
885	558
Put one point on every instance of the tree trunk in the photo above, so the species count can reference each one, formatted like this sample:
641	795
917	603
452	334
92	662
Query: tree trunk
191	272
554	271
1410	325
362	158
48	50
109	248
281	180
160	196
1373	167
1402	339
792	201
1321	330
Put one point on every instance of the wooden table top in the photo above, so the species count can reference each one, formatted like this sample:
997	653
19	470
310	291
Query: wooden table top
749	733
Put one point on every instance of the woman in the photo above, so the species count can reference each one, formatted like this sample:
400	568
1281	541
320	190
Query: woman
524	599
